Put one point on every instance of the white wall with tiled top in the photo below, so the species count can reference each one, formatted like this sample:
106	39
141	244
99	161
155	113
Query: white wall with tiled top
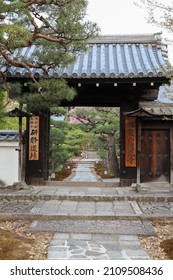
8	162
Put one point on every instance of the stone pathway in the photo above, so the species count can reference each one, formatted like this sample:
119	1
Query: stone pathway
95	247
90	238
84	173
90	219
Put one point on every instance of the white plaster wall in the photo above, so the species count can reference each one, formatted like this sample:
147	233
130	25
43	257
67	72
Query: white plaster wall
8	162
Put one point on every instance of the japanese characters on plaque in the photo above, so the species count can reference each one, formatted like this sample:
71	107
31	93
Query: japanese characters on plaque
130	142
34	138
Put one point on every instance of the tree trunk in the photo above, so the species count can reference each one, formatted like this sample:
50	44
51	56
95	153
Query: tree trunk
112	156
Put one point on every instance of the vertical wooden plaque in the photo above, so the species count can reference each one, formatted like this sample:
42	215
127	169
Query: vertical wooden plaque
34	138
130	141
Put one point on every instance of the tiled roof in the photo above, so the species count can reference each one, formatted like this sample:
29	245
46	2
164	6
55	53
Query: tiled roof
17	113
133	56
9	135
151	109
158	109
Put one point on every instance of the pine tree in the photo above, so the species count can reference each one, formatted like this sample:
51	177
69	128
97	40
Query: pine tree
66	141
58	31
57	28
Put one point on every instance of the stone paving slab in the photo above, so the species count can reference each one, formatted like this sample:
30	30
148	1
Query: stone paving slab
85	208
130	227
73	209
89	246
84	172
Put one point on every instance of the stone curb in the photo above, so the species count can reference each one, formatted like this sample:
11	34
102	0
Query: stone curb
31	217
137	227
92	197
67	183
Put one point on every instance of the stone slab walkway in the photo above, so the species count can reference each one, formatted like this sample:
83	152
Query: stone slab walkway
84	173
90	219
95	247
88	229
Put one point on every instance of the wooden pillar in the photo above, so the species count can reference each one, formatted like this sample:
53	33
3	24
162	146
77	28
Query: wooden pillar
171	154
138	151
128	174
20	151
37	151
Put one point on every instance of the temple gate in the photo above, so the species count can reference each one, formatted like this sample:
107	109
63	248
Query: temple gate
116	71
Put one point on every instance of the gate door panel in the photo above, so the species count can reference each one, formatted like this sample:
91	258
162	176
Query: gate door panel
155	155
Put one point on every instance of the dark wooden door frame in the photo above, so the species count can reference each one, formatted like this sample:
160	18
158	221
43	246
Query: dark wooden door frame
162	125
171	155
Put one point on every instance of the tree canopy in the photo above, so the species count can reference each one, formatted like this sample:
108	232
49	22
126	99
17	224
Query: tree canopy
159	13
56	27
52	32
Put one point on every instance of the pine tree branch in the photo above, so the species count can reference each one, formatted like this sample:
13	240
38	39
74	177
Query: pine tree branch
36	22
15	63
48	2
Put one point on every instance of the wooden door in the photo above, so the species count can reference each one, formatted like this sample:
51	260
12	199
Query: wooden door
155	155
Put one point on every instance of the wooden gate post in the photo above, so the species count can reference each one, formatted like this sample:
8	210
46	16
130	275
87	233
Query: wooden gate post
138	181
37	150
128	151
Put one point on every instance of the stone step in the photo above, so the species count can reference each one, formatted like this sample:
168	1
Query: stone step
84	197
80	210
112	184
65	217
128	227
73	217
85	161
90	155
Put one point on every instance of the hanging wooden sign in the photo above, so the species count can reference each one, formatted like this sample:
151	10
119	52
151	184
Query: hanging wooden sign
130	141
34	138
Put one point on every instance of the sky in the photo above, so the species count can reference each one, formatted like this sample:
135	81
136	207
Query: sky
116	17
119	17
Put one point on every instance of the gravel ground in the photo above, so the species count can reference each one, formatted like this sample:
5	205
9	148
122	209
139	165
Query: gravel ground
34	245
152	244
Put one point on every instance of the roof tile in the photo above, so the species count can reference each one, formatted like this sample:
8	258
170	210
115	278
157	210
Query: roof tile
134	56
9	135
